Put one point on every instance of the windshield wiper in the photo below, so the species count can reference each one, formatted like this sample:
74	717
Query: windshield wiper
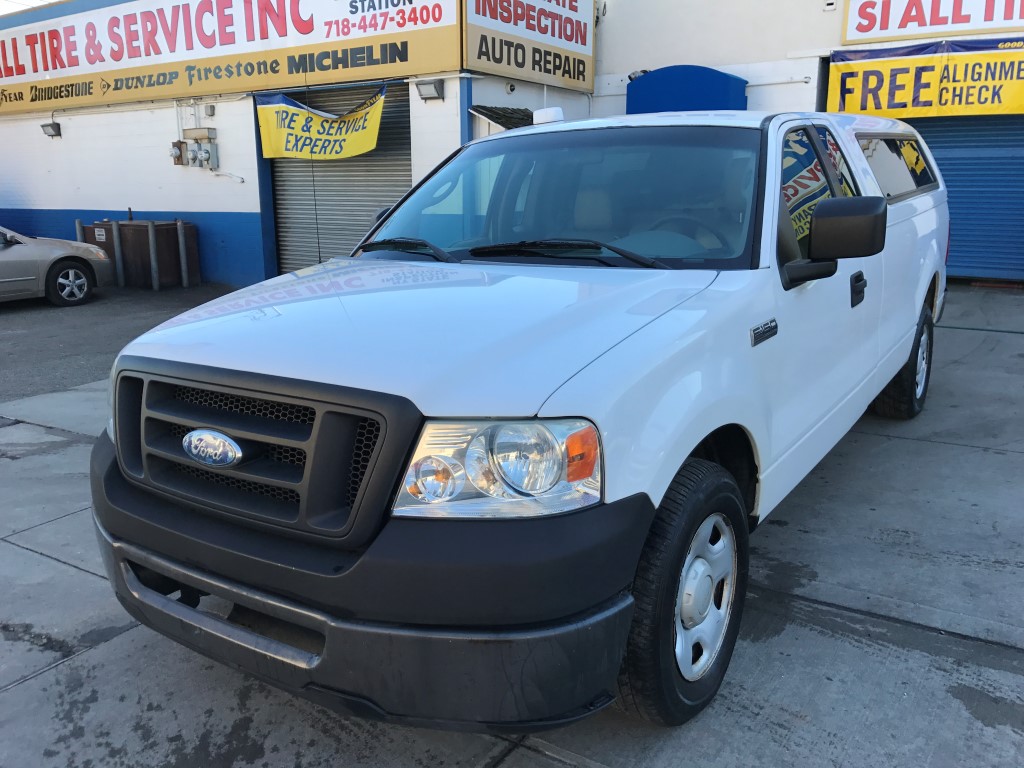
409	245
568	244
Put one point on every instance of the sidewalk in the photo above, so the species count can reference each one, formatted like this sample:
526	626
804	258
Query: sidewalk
884	623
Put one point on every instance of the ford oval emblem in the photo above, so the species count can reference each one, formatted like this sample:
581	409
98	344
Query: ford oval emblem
211	448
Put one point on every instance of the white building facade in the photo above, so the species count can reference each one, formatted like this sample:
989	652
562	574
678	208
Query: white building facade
123	80
128	83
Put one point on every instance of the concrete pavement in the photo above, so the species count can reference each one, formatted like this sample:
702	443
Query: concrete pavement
46	348
885	623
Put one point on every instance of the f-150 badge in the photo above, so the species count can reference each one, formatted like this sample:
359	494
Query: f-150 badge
763	332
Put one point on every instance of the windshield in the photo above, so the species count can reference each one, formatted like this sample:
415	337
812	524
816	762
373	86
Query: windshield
683	196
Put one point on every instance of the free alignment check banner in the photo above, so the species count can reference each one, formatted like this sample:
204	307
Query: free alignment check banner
983	77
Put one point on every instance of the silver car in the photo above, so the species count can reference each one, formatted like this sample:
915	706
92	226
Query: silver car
63	271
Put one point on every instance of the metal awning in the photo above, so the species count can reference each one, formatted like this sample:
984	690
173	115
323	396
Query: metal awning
504	117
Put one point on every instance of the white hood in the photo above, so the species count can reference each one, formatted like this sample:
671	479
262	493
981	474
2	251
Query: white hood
458	340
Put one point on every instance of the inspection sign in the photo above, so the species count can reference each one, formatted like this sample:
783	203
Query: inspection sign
543	41
982	77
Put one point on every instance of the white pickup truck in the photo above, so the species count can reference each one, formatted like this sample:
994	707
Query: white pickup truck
499	467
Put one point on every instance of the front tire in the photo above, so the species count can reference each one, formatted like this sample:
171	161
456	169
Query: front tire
689	591
69	283
904	396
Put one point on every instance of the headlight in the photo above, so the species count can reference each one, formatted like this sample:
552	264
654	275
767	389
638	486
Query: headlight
502	469
97	252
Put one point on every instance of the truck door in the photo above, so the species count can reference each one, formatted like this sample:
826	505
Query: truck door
826	340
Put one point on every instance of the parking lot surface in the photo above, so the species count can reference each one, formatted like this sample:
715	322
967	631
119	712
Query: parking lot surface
884	624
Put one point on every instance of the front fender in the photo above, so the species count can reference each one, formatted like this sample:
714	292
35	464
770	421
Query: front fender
661	391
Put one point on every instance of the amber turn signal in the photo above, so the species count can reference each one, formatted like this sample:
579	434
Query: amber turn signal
582	450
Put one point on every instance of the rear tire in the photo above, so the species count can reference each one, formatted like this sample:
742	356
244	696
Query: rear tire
69	283
689	590
904	396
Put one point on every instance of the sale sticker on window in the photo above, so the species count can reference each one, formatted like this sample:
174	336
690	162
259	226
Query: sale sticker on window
804	183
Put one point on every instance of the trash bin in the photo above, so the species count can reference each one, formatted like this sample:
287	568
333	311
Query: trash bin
135	251
101	234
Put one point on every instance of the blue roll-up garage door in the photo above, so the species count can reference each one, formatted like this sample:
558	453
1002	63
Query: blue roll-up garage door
982	162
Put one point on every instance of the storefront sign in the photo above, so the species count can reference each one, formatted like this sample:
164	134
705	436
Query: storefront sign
541	41
290	129
982	77
877	20
161	49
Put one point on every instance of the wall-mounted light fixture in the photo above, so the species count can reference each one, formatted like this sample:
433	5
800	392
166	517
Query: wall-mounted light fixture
430	89
51	129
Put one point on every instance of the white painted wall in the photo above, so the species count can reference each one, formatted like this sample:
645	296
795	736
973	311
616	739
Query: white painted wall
647	34
115	158
492	91
774	45
435	124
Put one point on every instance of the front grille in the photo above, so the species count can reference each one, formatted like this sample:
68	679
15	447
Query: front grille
284	495
289	455
283	454
305	463
249	406
362	451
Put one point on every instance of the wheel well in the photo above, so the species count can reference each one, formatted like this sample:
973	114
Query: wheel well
77	260
730	447
932	296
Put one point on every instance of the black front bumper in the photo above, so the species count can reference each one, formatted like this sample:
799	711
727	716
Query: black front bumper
473	625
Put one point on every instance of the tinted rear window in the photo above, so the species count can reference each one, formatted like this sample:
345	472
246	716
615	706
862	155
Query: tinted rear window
898	165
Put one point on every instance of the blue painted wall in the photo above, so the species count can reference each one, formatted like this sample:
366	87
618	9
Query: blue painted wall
232	247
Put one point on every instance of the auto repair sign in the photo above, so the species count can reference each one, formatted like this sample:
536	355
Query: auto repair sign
870	21
540	41
159	49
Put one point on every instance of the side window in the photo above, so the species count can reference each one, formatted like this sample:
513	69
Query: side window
838	160
898	165
919	170
804	185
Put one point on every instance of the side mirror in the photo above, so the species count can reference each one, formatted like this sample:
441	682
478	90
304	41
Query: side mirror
848	228
382	213
6	239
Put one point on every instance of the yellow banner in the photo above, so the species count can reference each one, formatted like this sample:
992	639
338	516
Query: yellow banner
289	129
938	80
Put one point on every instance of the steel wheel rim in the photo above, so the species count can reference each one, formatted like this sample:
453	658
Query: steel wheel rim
707	589
72	284
922	365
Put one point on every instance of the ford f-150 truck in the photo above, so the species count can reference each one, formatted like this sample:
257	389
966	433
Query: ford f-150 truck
499	466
